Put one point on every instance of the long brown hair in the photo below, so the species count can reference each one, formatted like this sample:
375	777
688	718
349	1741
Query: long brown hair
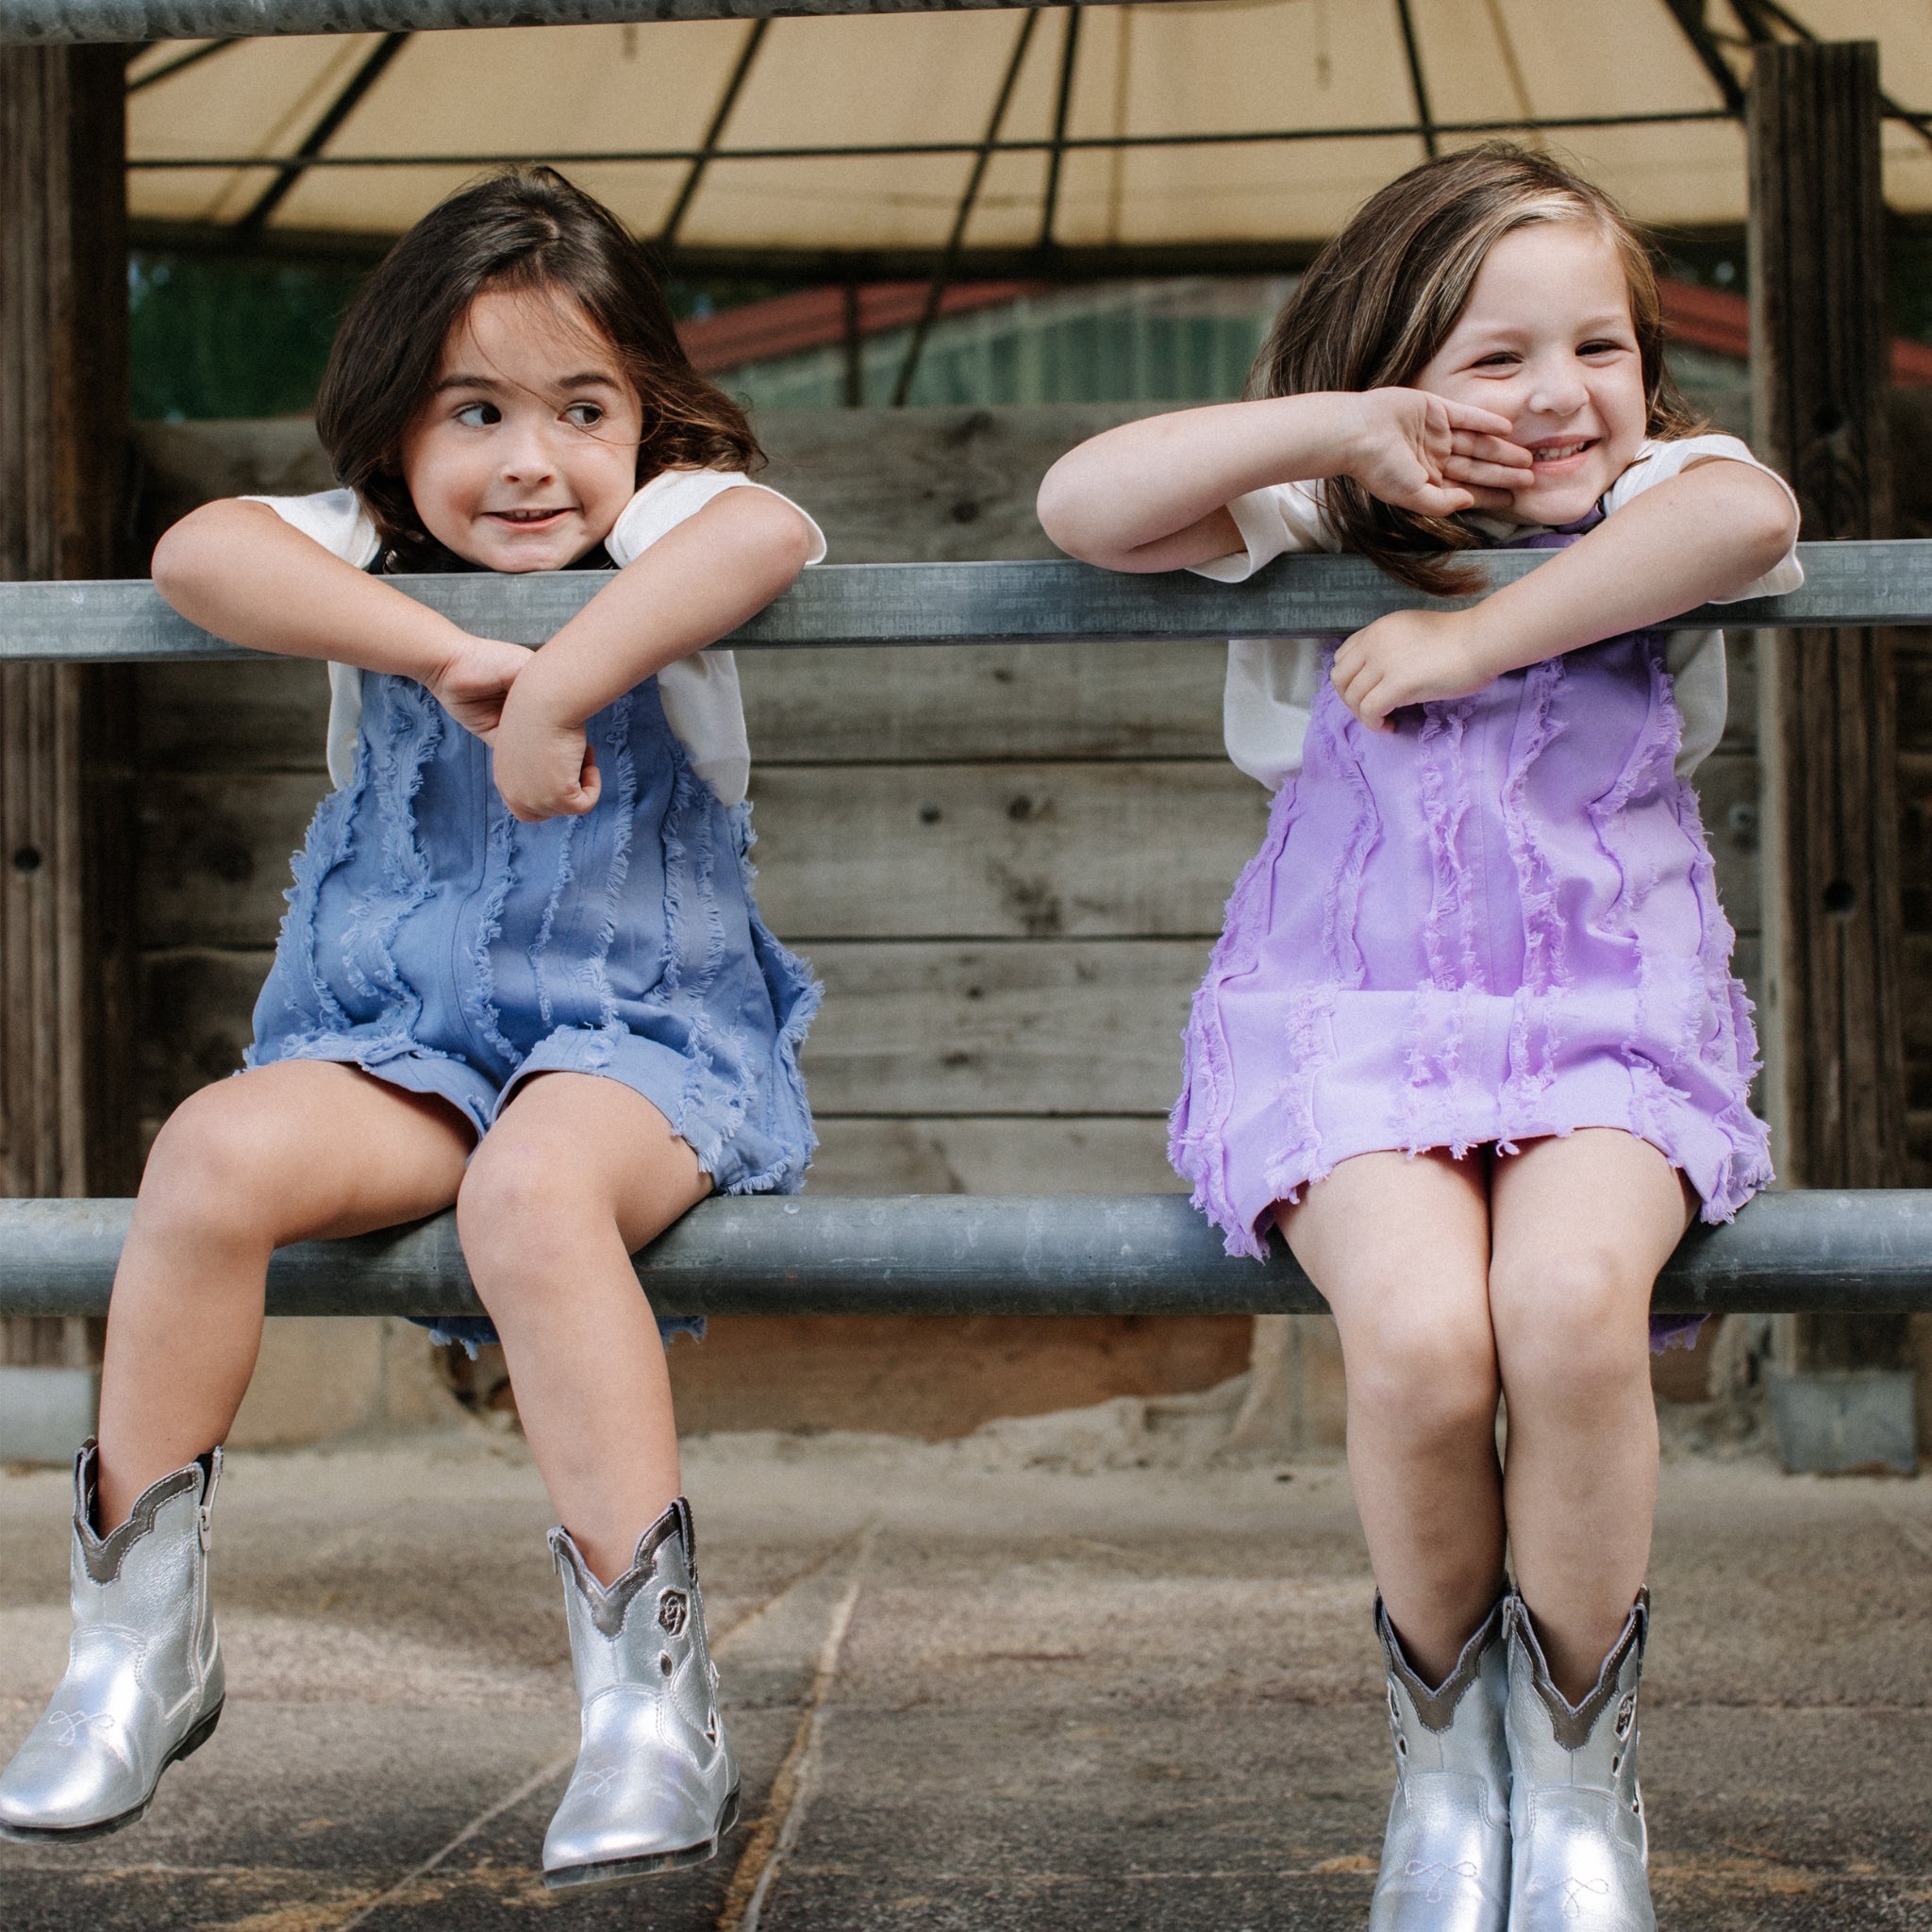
526	230
1380	300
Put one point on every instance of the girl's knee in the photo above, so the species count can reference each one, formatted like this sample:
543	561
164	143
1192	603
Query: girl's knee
519	1203
216	1157
1570	1325
1425	1373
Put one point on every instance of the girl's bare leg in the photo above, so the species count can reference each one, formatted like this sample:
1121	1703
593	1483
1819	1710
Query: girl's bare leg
1581	1227
299	1151
1400	1250
577	1173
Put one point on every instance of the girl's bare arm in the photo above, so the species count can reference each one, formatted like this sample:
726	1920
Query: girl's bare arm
697	583
1701	535
1152	495
239	571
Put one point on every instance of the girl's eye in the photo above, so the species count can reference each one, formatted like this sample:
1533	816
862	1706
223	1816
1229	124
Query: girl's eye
1501	359
478	415
584	415
1606	348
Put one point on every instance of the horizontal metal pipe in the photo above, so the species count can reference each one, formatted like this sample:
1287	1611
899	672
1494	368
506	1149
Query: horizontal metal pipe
859	604
979	1255
903	150
33	22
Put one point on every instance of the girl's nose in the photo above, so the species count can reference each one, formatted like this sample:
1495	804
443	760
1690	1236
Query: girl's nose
1557	389
526	456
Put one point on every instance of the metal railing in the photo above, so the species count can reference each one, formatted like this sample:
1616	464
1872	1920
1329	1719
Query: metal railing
51	22
983	1255
865	604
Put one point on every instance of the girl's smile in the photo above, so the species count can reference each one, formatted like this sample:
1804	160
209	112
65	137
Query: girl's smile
1546	339
526	453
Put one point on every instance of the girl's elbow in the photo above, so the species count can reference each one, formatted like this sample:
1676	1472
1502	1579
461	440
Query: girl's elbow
199	557
1060	511
180	558
1773	531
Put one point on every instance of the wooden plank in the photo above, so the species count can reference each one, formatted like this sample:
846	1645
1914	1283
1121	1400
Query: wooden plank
1040	851
1042	1028
992	702
1820	373
66	1123
914	1029
873	604
1727	795
981	701
1090	1155
886	486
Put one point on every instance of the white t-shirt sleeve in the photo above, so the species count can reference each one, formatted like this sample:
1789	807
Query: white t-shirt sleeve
1274	520
1696	657
1270	693
700	694
337	520
1657	462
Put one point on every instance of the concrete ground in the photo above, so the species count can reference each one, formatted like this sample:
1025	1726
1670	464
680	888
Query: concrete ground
1004	1685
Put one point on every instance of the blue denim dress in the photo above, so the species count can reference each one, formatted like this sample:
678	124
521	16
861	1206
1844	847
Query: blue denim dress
438	944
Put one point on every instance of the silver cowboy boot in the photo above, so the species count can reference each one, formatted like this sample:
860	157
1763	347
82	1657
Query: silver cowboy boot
1445	1854
144	1684
656	1784
1576	1818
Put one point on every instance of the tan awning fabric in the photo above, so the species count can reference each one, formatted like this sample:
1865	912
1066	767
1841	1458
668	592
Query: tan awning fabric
1315	68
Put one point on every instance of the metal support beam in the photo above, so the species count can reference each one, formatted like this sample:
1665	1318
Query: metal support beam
721	119
51	22
965	1254
345	102
1417	84
948	262
866	604
1063	104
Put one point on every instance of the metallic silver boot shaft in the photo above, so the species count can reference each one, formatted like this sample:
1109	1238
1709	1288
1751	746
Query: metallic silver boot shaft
656	1784
1445	1854
144	1684
1576	1815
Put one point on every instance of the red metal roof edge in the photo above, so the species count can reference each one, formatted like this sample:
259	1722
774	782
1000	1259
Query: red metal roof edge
813	317
1712	319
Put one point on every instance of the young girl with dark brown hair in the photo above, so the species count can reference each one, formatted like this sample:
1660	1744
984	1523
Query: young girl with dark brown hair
522	972
1470	1040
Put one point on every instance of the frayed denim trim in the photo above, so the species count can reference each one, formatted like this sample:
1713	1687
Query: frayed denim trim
472	1333
405	1064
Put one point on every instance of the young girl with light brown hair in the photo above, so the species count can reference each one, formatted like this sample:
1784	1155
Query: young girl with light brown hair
1470	1040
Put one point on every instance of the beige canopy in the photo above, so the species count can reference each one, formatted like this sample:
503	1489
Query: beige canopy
1234	126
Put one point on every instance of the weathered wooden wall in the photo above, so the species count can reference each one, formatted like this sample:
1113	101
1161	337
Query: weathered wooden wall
1006	863
66	939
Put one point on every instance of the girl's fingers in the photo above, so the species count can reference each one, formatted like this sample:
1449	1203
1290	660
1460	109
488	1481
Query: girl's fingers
1467	416
1441	499
1492	476
1493	449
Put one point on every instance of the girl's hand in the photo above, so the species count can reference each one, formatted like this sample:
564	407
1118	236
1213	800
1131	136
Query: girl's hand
1408	658
1424	453
474	681
544	768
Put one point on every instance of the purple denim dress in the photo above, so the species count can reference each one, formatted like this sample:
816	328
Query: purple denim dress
1496	923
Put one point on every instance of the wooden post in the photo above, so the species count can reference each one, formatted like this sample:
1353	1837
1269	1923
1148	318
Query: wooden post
1819	378
66	930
